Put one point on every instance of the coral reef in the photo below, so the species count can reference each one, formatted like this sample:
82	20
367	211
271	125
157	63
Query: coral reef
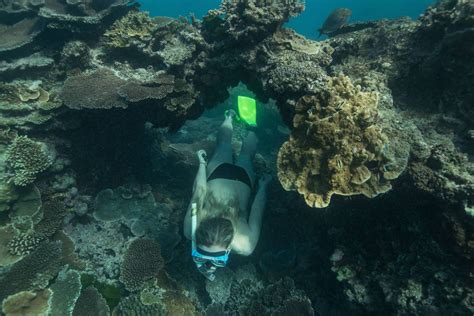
136	208
250	20
91	302
437	72
19	34
135	29
99	87
141	262
27	303
66	290
27	158
32	272
337	146
101	93
7	233
131	305
241	292
101	246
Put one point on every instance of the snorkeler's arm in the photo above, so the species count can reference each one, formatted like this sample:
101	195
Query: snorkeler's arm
256	215
200	182
199	191
247	234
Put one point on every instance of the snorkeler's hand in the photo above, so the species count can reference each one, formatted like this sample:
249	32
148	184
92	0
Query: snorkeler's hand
202	156
264	180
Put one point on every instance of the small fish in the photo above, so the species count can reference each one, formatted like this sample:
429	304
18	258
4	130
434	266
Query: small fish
335	21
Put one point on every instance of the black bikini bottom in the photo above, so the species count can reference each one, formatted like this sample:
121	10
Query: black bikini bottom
231	172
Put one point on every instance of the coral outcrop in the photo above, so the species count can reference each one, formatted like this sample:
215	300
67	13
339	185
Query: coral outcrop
437	72
135	30
337	146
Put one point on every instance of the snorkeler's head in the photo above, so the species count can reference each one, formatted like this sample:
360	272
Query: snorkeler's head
215	231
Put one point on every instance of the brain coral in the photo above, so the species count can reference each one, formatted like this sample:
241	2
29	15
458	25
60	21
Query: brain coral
27	158
141	262
337	146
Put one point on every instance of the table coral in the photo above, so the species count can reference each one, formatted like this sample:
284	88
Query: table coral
141	262
101	93
19	34
27	303
27	158
337	146
91	302
32	272
66	290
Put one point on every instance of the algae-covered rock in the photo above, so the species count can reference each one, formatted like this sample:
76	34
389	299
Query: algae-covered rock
337	146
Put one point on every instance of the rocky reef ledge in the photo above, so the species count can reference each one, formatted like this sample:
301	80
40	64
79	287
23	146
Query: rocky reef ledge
380	136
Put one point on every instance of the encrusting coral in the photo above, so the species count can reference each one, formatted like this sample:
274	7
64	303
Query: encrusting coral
27	158
141	262
337	146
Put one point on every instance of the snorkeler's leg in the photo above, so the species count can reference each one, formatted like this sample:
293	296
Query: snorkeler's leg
223	152
247	154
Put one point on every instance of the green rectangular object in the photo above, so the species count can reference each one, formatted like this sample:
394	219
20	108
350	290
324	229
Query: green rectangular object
247	110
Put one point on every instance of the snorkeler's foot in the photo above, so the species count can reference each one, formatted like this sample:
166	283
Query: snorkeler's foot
230	113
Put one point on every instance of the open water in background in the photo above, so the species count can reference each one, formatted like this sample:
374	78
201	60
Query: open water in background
311	19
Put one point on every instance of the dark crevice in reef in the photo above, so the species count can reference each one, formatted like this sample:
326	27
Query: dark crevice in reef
368	135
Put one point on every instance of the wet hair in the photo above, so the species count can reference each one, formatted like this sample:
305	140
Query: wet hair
216	231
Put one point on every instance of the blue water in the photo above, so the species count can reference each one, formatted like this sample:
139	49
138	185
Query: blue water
310	20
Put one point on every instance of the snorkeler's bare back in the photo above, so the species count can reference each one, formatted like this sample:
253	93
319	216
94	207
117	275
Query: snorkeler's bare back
225	190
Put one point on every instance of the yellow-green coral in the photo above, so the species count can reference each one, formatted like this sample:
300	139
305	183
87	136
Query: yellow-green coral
27	158
131	30
337	146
